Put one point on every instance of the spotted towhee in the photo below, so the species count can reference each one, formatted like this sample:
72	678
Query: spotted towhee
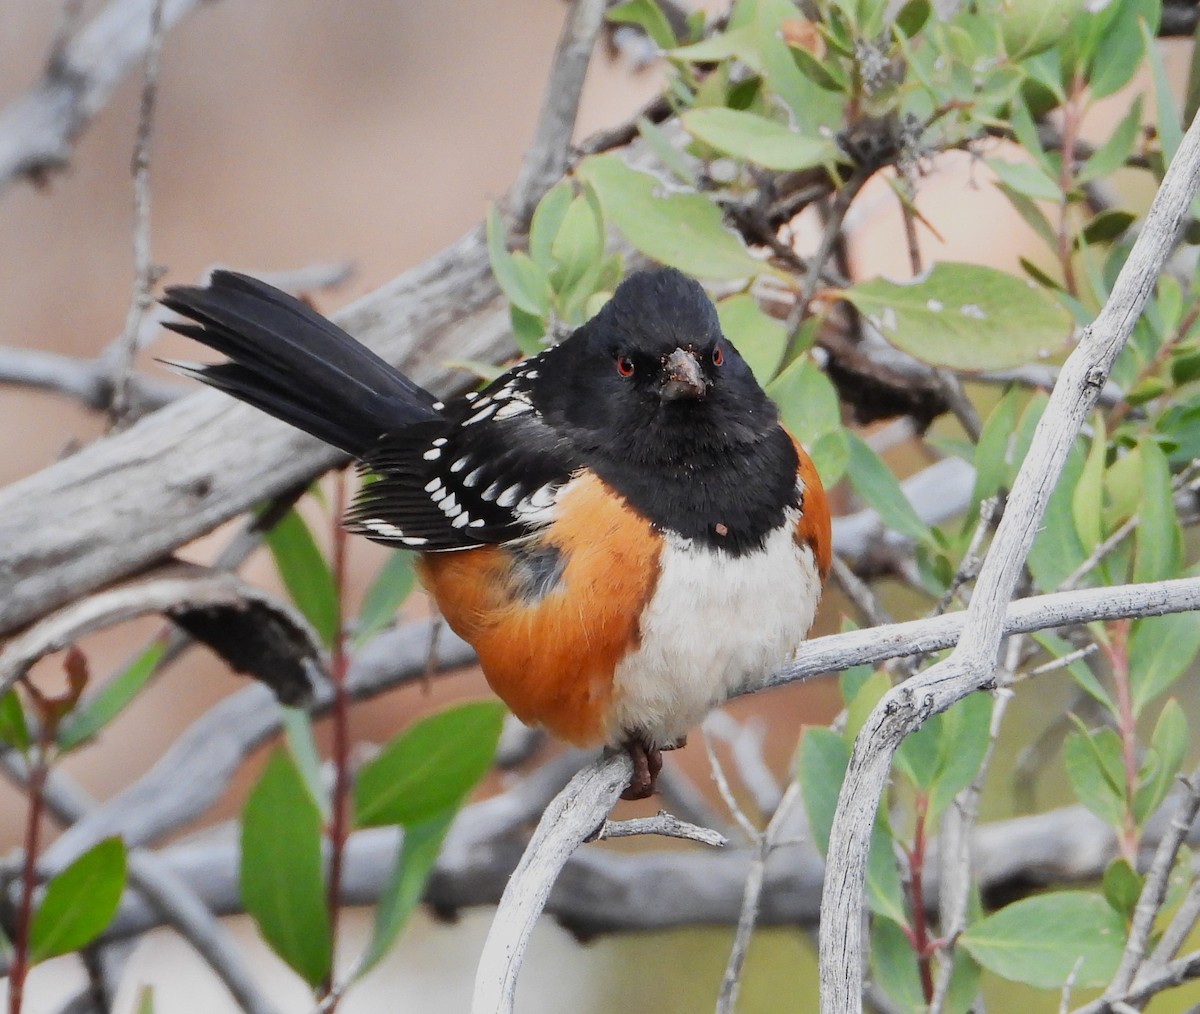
620	525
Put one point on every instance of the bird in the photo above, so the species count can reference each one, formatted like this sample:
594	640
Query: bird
619	525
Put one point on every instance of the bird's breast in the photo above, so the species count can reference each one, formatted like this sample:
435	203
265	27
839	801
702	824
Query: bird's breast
715	624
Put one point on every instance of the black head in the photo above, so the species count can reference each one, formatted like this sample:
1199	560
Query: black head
652	379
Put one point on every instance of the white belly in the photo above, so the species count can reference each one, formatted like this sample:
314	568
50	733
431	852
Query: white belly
716	624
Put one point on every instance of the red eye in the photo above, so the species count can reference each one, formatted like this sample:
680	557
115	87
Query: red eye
718	357
625	366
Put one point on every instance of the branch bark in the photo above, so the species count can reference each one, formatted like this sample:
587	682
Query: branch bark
38	131
906	706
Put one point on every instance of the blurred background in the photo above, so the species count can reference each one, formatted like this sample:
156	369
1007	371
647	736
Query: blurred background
294	132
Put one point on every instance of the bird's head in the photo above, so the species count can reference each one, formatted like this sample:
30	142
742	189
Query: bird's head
652	377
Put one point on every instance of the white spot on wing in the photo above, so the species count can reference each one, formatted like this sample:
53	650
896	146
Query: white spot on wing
544	496
514	408
434	488
432	454
460	464
488	410
509	496
461	521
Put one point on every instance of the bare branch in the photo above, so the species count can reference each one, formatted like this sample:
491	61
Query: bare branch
547	158
168	894
970	666
144	272
1154	890
662	824
748	917
568	821
184	589
38	131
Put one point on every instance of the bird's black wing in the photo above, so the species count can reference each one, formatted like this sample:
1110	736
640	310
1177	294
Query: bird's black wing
489	473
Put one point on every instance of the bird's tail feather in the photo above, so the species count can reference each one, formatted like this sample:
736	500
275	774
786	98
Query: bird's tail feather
289	361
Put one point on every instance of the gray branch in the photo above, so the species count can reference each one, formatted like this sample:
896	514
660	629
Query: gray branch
904	708
39	130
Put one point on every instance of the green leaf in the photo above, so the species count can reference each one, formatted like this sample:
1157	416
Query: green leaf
964	316
1057	550
1122	886
894	965
913	17
874	482
736	41
1111	155
830	455
1159	541
1026	179
963	743
757	139
1170	133
96	711
683	230
13	730
760	338
281	882
1094	769
305	573
991	453
917	756
1088	496
1108	226
418	853
868	694
1043	940
428	768
519	278
648	16
392	585
821	767
302	745
546	220
579	245
79	901
1119	46
808	404
1160	650
670	156
814	111
1168	746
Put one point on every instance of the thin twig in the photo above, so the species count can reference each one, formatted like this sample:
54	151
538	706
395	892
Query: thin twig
767	841
1154	889
145	273
970	666
1178	930
548	156
39	129
727	796
572	816
662	824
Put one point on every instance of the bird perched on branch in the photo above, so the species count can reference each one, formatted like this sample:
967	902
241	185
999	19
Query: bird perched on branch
620	526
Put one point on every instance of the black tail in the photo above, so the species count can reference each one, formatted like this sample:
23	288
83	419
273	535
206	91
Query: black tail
289	361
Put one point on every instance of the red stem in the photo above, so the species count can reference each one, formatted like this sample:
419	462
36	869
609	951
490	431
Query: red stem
1071	117
338	662
916	887
20	960
1118	657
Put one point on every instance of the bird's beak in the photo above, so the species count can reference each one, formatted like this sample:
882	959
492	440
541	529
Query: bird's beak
682	377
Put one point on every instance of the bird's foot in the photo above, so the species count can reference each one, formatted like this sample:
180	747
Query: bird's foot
647	763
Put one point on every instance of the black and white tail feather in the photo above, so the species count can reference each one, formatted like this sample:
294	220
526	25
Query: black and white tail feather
479	470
